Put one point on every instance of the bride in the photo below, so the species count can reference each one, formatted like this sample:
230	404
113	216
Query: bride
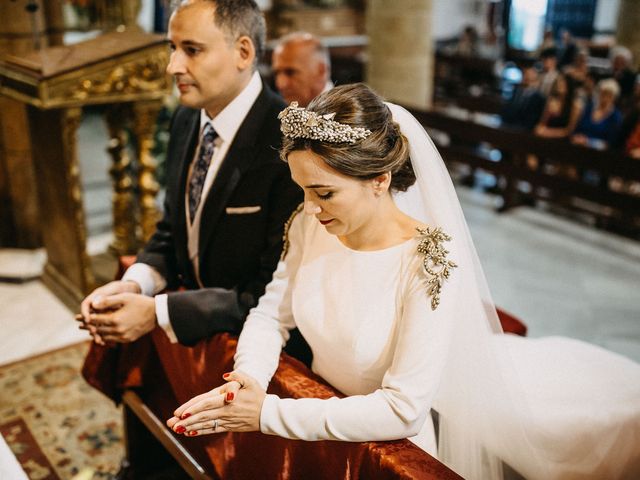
380	275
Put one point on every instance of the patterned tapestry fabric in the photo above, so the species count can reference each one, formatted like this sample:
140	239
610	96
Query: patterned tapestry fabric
200	168
55	424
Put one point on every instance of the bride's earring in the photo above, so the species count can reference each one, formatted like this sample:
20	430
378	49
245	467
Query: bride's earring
377	189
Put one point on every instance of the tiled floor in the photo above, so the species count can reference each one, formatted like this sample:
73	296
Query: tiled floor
560	277
33	320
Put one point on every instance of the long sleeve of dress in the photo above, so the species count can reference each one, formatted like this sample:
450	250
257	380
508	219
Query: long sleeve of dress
397	409
267	326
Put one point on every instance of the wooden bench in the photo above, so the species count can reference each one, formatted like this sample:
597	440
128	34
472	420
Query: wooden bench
618	208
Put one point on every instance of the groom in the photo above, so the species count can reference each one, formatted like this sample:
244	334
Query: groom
228	194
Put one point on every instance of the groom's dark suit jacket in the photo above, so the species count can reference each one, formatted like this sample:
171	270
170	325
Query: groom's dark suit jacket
241	229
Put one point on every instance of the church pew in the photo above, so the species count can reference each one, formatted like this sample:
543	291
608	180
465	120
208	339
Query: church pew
516	145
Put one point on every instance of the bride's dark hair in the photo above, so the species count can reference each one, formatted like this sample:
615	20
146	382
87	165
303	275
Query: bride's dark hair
385	150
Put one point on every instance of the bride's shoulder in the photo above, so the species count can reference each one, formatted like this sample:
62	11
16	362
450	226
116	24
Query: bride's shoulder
434	263
297	227
295	217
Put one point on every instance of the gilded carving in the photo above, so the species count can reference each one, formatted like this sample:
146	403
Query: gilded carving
287	226
435	263
145	75
123	200
72	118
146	114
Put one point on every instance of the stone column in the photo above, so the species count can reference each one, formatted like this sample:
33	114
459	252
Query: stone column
400	64
628	31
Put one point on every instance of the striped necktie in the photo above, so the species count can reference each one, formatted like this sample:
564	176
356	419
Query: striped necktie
200	168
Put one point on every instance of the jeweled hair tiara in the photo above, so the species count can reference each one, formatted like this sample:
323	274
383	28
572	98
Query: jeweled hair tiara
298	122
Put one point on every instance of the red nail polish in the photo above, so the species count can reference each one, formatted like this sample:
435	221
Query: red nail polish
180	429
193	433
225	375
230	396
185	415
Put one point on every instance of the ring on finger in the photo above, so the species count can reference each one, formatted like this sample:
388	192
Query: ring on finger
215	424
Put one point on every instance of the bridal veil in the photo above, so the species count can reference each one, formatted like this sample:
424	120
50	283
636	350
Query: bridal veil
549	408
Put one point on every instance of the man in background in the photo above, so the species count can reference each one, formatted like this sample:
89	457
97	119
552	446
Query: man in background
301	68
524	109
549	70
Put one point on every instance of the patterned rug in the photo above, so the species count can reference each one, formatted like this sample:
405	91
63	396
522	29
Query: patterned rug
56	425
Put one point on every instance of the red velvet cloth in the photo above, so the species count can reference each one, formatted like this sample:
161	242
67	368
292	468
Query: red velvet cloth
166	375
511	324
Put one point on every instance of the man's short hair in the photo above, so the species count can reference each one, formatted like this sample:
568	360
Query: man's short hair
237	18
550	52
318	48
621	51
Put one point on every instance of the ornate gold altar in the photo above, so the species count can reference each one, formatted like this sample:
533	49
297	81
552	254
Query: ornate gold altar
125	70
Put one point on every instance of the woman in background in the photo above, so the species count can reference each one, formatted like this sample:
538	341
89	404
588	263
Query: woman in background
601	119
559	118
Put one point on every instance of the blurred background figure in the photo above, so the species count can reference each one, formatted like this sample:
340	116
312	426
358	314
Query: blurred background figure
562	109
547	41
549	70
621	71
468	42
559	119
523	110
629	142
301	68
579	69
567	48
599	124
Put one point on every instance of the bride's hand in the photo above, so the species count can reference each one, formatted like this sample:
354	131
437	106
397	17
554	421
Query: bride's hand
232	407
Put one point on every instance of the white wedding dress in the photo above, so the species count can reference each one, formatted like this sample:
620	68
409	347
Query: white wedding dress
368	319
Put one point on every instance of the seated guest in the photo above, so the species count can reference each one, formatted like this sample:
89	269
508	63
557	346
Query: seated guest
598	126
548	70
301	68
632	140
562	110
629	142
578	71
523	110
632	149
627	134
468	42
380	274
622	73
547	41
561	113
567	48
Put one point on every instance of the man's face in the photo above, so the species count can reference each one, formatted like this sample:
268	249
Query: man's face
549	64
529	77
210	71
299	74
618	63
